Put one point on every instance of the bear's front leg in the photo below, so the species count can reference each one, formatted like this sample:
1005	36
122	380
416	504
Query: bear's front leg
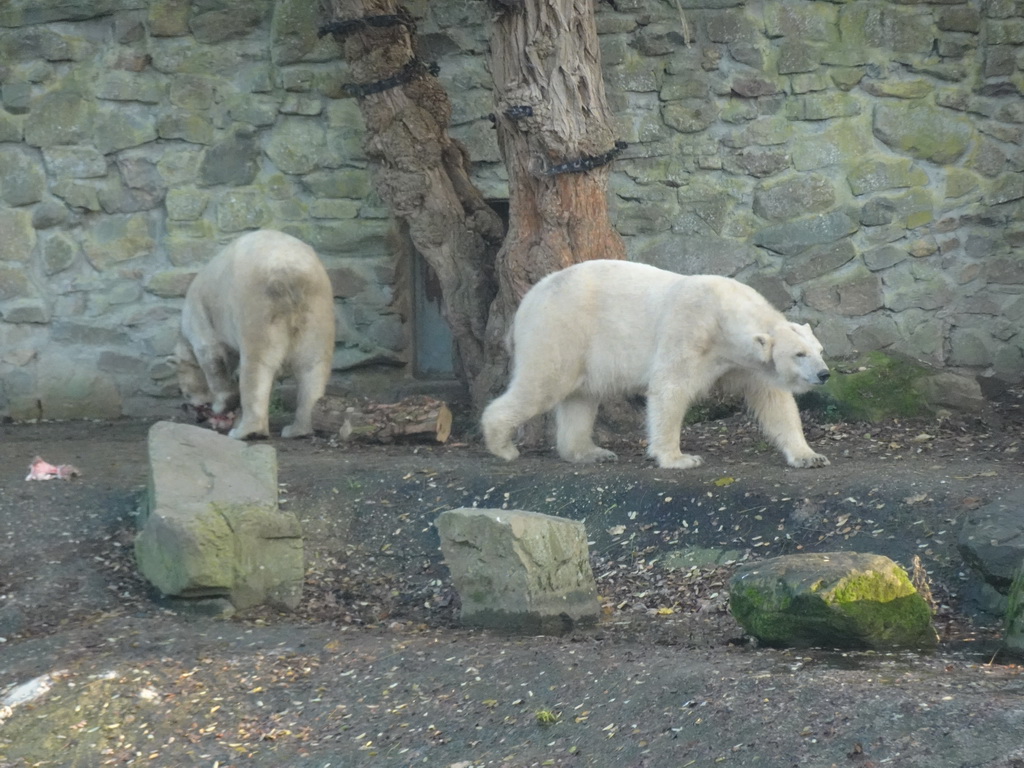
779	417
666	410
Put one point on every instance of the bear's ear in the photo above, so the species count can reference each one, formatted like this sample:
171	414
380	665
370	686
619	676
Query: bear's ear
763	343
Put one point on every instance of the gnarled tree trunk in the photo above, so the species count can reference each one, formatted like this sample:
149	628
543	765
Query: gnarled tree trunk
420	171
555	136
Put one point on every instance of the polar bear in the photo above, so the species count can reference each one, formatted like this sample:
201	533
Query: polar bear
604	328
261	305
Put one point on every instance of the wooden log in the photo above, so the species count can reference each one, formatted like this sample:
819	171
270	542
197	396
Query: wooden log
359	419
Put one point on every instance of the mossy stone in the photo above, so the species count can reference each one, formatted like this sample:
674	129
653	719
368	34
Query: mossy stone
837	599
878	387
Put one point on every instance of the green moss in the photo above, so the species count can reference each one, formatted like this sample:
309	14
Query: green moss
870	586
877	387
868	610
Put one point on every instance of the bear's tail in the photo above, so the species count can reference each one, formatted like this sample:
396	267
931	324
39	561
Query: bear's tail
289	291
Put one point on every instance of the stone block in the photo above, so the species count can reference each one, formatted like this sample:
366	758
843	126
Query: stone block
59	117
881	173
853	294
17	236
794	196
68	389
10	127
186	203
32	310
123	127
519	570
821	106
884	257
238	20
242	208
689	115
950	390
194	93
171	283
796	56
75	162
863	25
23	179
295	34
296	144
818	261
922	131
234	161
168	18
194	128
991	540
796	236
59	252
115	239
833	600
211	526
1008	187
122	85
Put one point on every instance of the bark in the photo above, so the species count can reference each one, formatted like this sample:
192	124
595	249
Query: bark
383	422
545	56
423	174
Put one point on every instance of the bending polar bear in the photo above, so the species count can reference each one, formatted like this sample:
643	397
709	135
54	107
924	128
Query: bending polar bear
262	304
604	328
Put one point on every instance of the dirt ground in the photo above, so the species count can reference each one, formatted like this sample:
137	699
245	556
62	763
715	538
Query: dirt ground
373	668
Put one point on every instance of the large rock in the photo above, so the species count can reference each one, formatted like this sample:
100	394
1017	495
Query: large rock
520	571
212	527
992	540
836	600
1014	635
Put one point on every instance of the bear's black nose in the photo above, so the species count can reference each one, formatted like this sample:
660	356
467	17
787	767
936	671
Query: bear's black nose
823	375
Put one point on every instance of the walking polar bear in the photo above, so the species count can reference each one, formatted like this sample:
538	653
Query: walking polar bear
604	328
262	305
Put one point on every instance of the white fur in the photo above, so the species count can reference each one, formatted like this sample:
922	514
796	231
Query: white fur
606	328
262	305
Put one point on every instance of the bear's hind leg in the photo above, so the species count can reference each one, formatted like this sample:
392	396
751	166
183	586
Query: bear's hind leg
255	380
507	413
499	422
776	412
574	418
312	382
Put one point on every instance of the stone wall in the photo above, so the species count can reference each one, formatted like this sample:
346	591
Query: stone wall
859	163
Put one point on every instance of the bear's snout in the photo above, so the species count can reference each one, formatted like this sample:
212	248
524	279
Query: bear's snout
823	375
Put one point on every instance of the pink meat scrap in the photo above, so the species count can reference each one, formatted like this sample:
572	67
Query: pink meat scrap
40	469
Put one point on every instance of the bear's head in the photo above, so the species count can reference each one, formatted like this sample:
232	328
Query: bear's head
794	354
191	379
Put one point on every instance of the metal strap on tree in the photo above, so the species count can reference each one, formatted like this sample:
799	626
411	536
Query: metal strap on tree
345	26
587	162
412	69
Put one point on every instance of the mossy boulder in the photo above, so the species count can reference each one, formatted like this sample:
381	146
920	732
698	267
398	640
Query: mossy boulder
881	386
211	526
1014	636
519	571
835	600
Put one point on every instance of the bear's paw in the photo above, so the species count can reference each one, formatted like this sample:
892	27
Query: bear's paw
804	461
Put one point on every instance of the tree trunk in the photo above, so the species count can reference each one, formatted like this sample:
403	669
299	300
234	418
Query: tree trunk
550	111
421	172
